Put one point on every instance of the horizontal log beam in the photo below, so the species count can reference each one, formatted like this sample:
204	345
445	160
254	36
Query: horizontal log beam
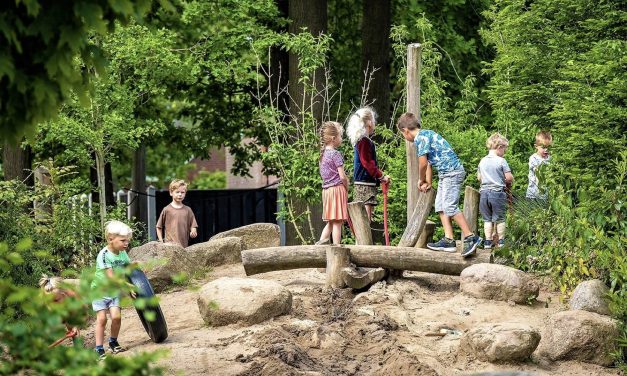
264	260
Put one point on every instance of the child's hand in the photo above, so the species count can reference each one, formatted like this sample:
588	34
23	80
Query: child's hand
423	186
386	179
193	233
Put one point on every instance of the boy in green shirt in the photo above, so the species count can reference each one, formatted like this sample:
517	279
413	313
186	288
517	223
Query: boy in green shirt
111	258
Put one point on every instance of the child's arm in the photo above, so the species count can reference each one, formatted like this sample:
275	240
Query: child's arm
340	170
159	225
479	176
424	174
509	178
194	226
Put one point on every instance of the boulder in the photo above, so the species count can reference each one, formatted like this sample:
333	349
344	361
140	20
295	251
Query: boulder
215	252
498	282
161	262
579	335
501	342
257	235
591	296
242	300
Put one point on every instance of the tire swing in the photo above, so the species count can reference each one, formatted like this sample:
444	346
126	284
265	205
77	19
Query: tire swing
157	329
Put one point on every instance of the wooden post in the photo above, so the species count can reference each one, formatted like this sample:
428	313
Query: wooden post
337	259
413	106
361	223
426	236
471	208
416	223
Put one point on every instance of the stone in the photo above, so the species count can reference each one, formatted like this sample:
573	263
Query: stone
227	250
242	300
579	335
161	262
498	282
501	342
256	235
591	296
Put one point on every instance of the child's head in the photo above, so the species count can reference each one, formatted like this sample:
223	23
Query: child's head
330	134
408	124
361	124
51	285
118	235
498	143
543	142
178	190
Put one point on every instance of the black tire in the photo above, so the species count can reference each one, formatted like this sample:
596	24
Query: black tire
158	328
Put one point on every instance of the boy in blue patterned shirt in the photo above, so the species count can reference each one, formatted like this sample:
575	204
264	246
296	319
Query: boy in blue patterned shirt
434	150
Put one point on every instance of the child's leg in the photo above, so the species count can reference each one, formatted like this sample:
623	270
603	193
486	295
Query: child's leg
461	222
337	231
446	224
116	321
101	323
326	232
488	227
500	230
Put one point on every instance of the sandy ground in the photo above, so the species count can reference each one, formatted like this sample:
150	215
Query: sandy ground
382	331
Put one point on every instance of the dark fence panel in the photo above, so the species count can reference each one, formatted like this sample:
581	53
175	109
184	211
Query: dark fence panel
224	209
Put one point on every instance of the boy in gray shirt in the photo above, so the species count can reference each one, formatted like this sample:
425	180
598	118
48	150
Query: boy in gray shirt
494	174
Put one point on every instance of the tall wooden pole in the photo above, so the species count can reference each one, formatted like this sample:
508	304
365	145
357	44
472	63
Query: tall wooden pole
413	106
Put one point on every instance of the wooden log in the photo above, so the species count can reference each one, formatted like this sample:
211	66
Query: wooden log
337	260
413	106
426	236
263	260
361	223
358	278
416	223
471	208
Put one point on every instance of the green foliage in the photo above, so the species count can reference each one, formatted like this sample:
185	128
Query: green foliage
30	321
40	44
209	180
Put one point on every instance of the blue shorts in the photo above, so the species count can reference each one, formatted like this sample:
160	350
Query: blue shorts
449	188
493	206
105	303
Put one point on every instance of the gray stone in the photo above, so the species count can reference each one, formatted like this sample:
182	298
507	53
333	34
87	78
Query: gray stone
591	296
227	250
257	235
579	335
161	262
498	282
502	342
242	300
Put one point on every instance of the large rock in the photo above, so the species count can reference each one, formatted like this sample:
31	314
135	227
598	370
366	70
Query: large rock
242	300
161	262
257	235
591	296
502	342
498	282
215	252
579	335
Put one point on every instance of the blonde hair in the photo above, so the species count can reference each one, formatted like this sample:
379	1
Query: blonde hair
117	228
356	128
328	132
50	285
408	121
543	137
496	140
176	184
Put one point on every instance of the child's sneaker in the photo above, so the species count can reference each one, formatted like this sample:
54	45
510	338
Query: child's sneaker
445	244
487	244
102	355
501	243
471	242
115	347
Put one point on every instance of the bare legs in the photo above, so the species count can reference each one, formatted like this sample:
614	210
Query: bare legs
448	226
101	324
332	229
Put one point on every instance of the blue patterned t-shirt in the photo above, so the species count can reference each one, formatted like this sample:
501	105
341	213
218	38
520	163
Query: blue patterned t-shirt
439	152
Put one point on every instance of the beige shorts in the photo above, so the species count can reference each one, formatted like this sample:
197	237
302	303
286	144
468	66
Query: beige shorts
365	193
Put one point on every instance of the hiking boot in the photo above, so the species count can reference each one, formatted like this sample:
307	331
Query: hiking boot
487	244
115	347
102	355
501	243
471	242
445	244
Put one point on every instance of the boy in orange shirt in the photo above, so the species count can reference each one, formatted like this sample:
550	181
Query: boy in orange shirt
177	218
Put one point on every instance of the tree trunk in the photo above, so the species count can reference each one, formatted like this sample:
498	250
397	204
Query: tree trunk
416	223
279	67
471	209
93	176
100	172
337	260
17	163
413	106
138	176
375	54
361	223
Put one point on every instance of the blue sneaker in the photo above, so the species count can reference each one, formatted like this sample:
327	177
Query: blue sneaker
471	242
487	244
445	244
501	243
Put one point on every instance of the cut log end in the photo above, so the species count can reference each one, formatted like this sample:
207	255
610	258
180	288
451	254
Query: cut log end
358	278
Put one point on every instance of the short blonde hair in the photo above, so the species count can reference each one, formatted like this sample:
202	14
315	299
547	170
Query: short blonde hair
117	228
176	184
50	284
544	138
496	140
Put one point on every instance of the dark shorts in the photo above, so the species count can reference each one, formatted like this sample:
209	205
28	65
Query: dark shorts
493	206
365	193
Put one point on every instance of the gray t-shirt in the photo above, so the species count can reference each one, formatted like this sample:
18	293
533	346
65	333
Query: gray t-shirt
493	169
533	190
